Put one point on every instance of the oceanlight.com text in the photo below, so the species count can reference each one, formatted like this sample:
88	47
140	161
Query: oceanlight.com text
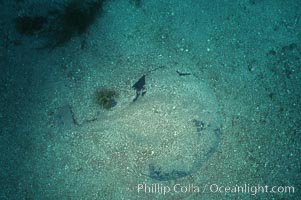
249	189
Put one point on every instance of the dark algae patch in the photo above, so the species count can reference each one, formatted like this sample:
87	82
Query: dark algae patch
106	98
74	18
58	26
28	25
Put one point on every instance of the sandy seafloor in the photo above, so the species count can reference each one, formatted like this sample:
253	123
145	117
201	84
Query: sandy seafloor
244	62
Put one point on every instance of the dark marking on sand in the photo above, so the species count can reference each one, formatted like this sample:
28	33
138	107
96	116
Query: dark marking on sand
66	119
139	86
183	73
158	174
200	125
65	116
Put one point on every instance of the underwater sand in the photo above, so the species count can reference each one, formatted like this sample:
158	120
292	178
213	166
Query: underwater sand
234	120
